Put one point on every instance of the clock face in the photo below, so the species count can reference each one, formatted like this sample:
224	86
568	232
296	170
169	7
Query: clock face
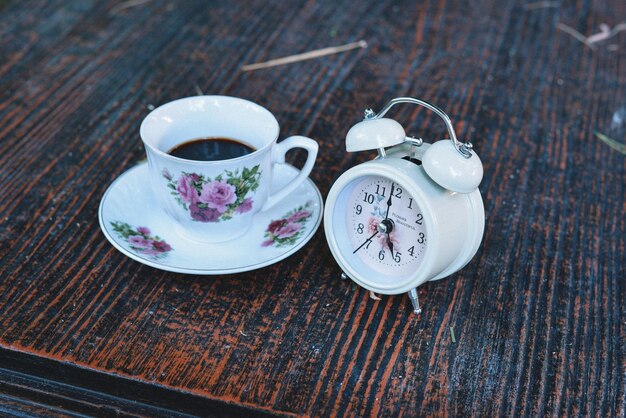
386	226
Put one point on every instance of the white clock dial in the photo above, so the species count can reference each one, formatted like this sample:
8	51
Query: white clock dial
386	226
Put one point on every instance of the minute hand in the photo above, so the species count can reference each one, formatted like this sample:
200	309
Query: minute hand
389	201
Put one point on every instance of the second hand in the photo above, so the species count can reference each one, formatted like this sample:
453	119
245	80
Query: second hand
366	241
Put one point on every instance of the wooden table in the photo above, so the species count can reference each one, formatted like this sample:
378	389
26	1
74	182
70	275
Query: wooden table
538	315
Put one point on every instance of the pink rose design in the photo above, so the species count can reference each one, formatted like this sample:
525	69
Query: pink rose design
143	230
246	206
372	225
186	190
161	246
285	231
204	214
139	241
288	230
218	195
276	225
301	214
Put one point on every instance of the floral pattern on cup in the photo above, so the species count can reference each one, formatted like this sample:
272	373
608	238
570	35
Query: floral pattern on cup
141	240
217	199
286	230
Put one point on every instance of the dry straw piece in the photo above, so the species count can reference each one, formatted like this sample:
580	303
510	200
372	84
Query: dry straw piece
618	146
575	34
305	56
127	5
605	33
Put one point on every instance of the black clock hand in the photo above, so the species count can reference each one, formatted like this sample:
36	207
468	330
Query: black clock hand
366	241
389	201
389	243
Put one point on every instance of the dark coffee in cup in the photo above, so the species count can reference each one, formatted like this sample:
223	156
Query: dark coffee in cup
211	149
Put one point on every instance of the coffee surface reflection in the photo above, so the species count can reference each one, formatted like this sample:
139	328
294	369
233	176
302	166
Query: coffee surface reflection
211	149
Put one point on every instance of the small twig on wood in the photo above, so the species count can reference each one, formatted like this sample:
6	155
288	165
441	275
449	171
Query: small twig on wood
618	146
305	56
198	91
127	5
575	34
606	32
452	335
541	5
618	28
373	296
166	319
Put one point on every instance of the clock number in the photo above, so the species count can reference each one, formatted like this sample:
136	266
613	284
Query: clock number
359	209
378	190
369	198
420	240
420	219
381	255
398	193
412	251
410	202
360	228
369	241
397	257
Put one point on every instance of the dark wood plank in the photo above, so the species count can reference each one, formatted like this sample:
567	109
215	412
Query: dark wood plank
43	387
538	315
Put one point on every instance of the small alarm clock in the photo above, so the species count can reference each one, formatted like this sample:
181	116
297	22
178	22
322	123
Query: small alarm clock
411	215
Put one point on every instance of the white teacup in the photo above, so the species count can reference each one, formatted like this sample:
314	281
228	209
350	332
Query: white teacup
214	201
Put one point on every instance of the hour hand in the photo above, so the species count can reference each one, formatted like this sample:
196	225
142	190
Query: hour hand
390	244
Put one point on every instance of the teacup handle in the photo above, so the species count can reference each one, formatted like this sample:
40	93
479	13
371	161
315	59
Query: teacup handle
278	157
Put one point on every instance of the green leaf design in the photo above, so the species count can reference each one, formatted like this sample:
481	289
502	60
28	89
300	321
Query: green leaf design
123	229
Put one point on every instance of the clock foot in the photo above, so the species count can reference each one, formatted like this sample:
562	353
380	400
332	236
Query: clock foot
344	276
415	301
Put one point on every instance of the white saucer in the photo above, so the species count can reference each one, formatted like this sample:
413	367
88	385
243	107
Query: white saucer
133	222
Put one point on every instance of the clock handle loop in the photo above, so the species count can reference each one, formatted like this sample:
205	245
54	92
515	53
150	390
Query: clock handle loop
465	149
442	163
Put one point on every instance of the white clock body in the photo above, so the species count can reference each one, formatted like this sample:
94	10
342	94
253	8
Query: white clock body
435	232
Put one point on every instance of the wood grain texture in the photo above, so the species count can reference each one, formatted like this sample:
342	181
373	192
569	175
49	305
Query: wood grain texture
539	314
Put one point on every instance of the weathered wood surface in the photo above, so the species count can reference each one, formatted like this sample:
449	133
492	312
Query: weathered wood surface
538	315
